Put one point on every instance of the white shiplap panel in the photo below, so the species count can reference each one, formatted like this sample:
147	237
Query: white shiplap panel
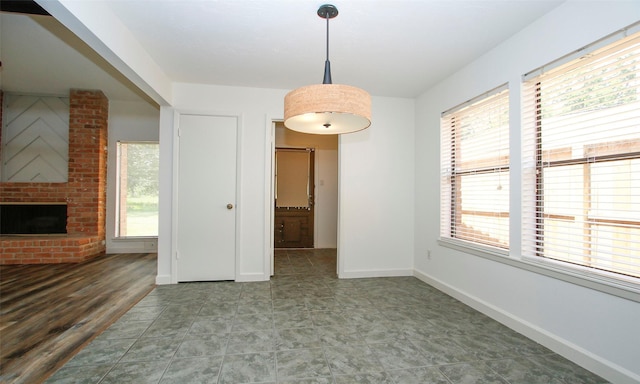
35	139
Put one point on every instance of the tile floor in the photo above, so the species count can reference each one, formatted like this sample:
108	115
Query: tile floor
306	326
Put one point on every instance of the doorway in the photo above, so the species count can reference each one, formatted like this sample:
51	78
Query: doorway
294	198
323	184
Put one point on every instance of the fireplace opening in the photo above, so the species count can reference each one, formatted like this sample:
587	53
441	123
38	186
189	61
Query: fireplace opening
33	219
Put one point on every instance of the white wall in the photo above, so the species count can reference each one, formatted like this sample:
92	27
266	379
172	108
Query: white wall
128	121
376	181
376	193
326	176
595	329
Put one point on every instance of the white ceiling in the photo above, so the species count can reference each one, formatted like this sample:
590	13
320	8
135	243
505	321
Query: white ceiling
390	48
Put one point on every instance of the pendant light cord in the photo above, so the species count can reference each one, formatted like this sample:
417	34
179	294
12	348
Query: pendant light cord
327	64
327	38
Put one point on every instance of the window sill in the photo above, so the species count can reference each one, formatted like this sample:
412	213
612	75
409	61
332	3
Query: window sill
626	290
134	238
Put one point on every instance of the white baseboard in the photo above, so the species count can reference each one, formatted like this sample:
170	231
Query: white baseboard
249	277
376	273
605	368
128	250
163	279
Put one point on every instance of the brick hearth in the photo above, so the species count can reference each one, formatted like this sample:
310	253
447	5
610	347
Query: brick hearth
84	192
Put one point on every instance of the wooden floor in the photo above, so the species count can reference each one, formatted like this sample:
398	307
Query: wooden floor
49	312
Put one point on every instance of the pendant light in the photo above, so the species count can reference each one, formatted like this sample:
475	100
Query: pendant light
327	108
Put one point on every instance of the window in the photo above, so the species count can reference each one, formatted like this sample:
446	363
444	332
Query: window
474	190
581	159
137	197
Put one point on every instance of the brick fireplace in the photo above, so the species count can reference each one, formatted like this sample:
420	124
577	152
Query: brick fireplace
84	193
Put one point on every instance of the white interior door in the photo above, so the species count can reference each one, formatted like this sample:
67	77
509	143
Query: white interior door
206	194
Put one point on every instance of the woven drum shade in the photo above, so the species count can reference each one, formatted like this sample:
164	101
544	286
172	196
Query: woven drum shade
327	109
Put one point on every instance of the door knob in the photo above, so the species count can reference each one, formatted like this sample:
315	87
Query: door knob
229	206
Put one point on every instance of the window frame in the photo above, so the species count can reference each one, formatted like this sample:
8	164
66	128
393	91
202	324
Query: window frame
611	282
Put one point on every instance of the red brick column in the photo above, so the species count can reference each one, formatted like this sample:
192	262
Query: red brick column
88	121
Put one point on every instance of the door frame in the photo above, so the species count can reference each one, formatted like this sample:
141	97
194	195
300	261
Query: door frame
269	194
176	179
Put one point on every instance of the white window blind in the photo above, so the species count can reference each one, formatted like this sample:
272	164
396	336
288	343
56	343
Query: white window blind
581	162
474	190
